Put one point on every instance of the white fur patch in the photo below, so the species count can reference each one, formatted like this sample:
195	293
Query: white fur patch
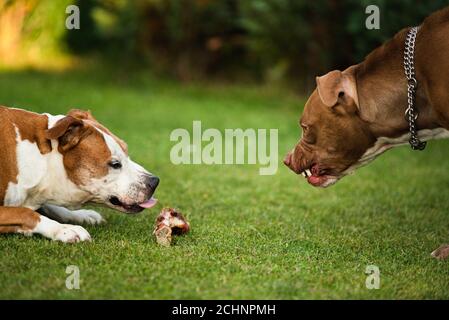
119	182
31	167
56	187
384	143
41	178
61	232
53	119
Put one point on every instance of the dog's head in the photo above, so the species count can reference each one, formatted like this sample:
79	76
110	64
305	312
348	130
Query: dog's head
97	162
335	140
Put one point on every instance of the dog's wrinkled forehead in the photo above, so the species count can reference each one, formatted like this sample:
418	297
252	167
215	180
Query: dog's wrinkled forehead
117	150
313	109
115	144
87	117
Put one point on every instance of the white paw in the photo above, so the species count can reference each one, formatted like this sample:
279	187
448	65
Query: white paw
87	217
70	234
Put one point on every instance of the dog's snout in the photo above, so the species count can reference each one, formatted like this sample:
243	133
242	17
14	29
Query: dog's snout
292	160
152	182
288	159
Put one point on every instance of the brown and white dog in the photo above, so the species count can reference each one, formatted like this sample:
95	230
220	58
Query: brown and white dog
51	163
355	115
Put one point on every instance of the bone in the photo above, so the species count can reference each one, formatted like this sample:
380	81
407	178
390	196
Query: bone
441	253
168	223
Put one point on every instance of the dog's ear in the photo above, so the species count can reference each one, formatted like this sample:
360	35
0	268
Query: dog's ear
68	131
87	115
81	114
337	86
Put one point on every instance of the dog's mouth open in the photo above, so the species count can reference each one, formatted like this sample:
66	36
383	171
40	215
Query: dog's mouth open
134	207
317	177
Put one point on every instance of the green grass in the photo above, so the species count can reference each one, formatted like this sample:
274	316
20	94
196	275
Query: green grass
261	237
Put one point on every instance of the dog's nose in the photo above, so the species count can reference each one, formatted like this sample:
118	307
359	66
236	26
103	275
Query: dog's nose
152	182
288	159
291	162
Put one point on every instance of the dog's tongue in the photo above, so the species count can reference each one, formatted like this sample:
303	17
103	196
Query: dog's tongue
148	204
314	180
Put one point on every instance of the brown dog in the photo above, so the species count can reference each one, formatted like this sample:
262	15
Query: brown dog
355	115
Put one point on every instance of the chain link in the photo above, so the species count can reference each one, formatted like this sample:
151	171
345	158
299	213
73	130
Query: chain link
412	84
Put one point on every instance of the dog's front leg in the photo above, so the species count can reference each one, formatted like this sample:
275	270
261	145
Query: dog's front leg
65	215
28	222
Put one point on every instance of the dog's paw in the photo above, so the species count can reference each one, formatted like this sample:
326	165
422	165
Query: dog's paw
87	217
68	233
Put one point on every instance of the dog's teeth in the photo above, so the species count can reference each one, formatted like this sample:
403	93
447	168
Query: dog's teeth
308	172
303	174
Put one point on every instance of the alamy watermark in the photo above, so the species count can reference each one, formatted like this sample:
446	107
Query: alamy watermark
373	279
73	20
372	22
234	146
73	279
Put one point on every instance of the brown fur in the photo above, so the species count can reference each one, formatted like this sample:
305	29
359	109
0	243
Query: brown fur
339	130
14	219
78	161
79	131
79	142
88	118
31	127
85	156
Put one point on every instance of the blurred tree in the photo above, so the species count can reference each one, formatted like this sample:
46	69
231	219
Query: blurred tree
272	39
31	32
192	36
300	39
268	39
12	16
186	37
86	38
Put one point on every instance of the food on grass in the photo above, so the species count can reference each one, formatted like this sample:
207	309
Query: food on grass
442	252
169	222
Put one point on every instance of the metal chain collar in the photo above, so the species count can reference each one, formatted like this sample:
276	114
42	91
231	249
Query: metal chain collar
409	67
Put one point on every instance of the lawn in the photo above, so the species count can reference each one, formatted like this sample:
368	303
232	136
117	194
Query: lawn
253	237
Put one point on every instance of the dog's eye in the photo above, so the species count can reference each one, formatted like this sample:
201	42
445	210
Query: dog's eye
115	164
304	130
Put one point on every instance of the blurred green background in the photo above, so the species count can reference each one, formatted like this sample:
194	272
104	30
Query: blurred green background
290	41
